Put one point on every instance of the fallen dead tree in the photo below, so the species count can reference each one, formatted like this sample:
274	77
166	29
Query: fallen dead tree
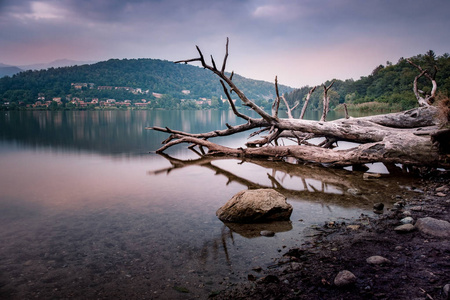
411	137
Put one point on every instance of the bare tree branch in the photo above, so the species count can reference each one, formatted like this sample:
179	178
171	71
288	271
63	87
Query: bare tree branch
276	103
225	58
233	87
326	101
306	102
428	99
233	107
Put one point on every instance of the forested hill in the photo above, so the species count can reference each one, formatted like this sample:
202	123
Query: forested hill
113	78
388	86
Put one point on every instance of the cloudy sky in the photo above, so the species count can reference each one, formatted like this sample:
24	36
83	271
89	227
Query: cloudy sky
303	42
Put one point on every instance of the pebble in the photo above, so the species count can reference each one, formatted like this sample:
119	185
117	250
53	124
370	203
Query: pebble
378	206
440	194
257	269
371	175
446	290
398	248
407	220
416	208
354	192
267	233
399	204
377	260
353	227
407	213
251	277
344	278
404	228
269	279
441	189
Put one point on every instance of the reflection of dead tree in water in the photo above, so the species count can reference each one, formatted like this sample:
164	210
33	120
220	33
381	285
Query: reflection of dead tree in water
225	234
335	184
408	138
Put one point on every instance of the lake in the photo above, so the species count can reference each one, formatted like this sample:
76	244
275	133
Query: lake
88	210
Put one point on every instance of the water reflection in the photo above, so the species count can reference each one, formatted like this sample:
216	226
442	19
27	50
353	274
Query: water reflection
305	186
304	182
80	216
104	131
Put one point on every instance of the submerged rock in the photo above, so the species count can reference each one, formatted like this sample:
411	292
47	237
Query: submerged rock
434	227
253	230
267	233
251	206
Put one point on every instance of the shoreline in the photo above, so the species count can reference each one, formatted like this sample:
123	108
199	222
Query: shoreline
417	265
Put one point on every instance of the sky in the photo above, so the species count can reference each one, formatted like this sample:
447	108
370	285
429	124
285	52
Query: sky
302	42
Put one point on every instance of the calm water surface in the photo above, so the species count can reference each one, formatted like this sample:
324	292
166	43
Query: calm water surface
88	211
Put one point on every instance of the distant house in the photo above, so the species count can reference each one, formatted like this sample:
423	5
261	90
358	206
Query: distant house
57	100
105	87
37	104
186	92
126	88
79	86
75	100
157	95
110	102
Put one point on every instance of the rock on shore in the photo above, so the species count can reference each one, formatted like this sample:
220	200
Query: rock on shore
259	205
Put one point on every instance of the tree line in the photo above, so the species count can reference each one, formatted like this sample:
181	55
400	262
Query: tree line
175	82
388	87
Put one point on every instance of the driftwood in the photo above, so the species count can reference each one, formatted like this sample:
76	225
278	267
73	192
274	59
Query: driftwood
407	137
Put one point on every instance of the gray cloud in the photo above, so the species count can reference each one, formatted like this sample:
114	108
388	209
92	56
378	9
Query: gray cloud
266	35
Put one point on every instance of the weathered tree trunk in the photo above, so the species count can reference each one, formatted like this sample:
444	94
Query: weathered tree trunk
404	137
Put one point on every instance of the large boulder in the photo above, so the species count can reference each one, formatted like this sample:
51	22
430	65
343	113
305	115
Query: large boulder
251	206
434	227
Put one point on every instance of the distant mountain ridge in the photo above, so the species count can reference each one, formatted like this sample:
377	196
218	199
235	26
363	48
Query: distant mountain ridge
59	63
8	70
